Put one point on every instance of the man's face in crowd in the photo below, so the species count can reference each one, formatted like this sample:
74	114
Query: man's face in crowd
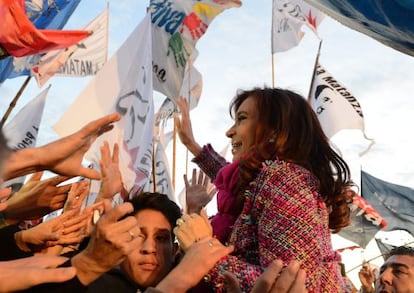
154	257
396	275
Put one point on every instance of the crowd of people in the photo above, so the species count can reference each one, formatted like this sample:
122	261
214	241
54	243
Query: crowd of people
284	193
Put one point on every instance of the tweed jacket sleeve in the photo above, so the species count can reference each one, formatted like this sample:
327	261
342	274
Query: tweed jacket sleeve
209	161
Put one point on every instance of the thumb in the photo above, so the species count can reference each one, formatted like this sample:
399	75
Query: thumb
204	216
89	173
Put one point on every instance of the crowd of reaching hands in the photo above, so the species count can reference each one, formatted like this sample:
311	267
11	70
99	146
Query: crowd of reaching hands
52	252
278	201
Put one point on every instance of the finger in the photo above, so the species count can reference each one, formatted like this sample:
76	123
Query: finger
105	156
299	283
200	178
5	193
194	178
89	173
115	154
112	215
39	276
48	261
56	180
187	185
100	125
36	176
287	277
268	277
231	283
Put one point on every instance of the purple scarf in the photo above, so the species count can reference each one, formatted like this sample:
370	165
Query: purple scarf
225	183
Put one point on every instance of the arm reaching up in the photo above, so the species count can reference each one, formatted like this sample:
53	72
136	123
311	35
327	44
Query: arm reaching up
63	156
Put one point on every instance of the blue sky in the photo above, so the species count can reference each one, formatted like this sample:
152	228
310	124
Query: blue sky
235	53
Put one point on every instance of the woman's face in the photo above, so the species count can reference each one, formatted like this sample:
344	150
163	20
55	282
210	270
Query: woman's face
242	133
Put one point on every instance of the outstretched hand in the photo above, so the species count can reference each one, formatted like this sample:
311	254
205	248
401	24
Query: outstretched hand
37	197
111	181
63	156
199	191
30	271
192	228
184	128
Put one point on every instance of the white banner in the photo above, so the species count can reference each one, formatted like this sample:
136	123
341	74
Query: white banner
334	104
123	85
82	59
21	132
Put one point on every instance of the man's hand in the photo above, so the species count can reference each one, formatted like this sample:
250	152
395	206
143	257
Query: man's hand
111	241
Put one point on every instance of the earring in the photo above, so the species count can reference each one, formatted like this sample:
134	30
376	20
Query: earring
272	140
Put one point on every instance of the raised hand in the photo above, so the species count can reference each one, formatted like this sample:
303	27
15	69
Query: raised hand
37	198
199	191
63	156
184	128
192	228
111	181
67	228
77	194
367	277
112	239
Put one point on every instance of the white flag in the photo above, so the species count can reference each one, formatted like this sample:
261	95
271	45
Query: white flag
21	132
177	26
82	59
334	104
123	85
288	18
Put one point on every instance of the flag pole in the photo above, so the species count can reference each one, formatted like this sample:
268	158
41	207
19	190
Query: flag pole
314	70
107	31
14	101
272	46
273	70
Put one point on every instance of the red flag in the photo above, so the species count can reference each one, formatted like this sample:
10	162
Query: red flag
19	37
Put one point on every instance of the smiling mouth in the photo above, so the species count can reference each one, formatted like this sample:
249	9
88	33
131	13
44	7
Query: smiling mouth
235	147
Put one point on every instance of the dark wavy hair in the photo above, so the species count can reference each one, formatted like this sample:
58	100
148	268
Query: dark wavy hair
158	202
286	118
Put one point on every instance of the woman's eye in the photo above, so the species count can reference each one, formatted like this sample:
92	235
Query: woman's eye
240	118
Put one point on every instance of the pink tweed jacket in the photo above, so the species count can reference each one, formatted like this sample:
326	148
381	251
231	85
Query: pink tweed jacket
284	217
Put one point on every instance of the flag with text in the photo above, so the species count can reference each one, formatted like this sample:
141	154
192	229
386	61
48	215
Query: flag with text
334	104
82	59
177	25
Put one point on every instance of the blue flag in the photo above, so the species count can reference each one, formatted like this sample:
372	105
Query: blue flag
46	14
366	221
389	22
394	202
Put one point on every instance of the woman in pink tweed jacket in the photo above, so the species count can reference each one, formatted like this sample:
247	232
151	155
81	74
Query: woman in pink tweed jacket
283	194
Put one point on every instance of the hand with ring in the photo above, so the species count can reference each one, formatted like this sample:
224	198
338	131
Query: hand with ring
192	228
